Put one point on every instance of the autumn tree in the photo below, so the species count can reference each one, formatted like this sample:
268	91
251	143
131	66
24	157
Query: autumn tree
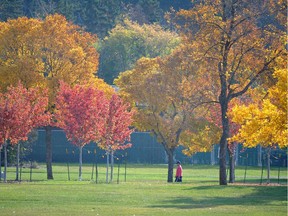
80	112
21	110
115	134
230	45
42	52
128	42
166	101
265	122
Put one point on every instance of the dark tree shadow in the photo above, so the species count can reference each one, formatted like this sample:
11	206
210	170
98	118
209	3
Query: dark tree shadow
260	196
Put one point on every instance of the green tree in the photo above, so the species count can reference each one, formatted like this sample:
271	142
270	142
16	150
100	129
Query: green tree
130	41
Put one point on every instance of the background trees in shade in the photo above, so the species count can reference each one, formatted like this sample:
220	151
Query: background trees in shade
95	16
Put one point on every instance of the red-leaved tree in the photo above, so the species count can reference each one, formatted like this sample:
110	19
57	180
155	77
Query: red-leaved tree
21	110
79	112
115	135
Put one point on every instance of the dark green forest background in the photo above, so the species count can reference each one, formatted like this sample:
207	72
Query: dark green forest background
96	16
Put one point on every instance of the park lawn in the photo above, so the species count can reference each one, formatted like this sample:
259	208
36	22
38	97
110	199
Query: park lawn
145	192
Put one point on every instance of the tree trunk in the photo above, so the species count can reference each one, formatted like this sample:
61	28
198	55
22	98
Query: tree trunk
112	166
232	168
170	153
268	164
17	162
5	161
107	167
223	141
0	163
80	163
48	130
232	162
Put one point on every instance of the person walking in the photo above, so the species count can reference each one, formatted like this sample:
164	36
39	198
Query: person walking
178	177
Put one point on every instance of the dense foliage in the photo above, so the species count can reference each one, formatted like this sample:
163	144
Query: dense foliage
96	16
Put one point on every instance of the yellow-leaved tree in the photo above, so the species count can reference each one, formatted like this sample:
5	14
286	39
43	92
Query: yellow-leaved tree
43	52
265	123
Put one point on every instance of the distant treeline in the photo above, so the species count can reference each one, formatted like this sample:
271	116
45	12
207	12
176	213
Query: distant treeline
96	16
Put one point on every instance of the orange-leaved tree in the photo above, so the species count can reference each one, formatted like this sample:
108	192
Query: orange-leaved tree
165	100
233	43
21	110
80	112
115	133
42	52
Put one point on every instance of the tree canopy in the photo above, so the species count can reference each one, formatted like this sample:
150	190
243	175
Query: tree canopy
128	42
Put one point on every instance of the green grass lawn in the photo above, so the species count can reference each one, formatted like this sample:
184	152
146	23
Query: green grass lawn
145	192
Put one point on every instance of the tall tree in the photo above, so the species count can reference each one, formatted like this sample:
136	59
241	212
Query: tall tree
115	135
165	98
231	46
21	110
265	122
79	112
42	52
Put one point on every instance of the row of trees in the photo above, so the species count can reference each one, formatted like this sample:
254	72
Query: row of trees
85	113
41	53
226	58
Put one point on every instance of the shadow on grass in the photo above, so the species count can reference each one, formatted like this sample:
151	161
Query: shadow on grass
260	196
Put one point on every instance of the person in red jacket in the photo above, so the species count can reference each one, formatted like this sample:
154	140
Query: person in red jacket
178	177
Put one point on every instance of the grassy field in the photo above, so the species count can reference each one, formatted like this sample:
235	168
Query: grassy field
145	192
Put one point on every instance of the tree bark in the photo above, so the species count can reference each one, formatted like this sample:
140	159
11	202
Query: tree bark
0	163
5	161
232	168
107	167
48	130
112	166
268	164
80	163
223	142
170	153
17	161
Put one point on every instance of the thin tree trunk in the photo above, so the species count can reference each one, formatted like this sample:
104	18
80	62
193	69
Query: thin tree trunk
5	161
48	130
112	166
268	164
18	160
0	163
80	163
107	167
